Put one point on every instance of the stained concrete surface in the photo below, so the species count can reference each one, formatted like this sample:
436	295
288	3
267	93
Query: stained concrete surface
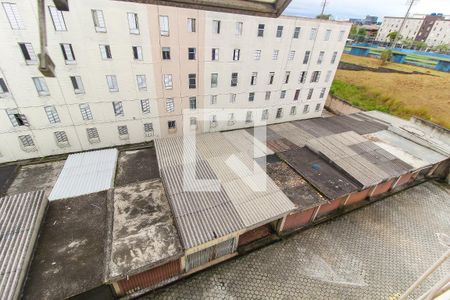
137	165
372	253
36	177
144	233
7	175
69	257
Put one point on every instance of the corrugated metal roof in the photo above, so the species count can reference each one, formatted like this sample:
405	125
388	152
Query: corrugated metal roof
20	219
245	142
85	173
293	133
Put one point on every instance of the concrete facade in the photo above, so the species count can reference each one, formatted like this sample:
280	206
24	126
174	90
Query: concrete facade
392	24
31	128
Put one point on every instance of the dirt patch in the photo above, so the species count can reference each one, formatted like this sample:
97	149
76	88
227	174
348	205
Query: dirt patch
36	177
135	166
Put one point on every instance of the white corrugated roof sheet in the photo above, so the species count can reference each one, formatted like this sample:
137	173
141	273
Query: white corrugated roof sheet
85	173
20	219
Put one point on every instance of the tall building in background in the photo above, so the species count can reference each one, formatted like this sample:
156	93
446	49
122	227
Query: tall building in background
127	73
433	29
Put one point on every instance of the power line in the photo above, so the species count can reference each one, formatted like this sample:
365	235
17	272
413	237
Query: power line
324	4
411	3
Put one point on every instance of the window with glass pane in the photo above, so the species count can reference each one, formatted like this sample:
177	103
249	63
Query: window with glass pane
279	31
164	25
141	82
28	53
257	54
85	110
193	103
296	33
112	83
214	79
251	97
236	54
191	25
69	55
318	107
306	57
118	108
253	78
145	106
313	33
302	78
297	94
327	35
105	52
137	53
333	58
283	94
192	81
166	53
287	75
92	135
249	117
305	108
310	94
275	54
58	19
315	76
52	114
268	94
322	93
265	114
168	84
3	87
215	54
170	105
41	86
99	20
133	23
216	26
239	27
271	77
26	140
328	76
261	30
191	53
291	55
13	15
232	98
234	79
213	99
293	110
279	113
320	58
123	131
61	137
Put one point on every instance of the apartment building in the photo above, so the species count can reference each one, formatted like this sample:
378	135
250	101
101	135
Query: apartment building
433	29
127	73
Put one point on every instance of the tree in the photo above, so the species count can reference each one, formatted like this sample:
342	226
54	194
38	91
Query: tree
420	45
353	31
394	35
444	48
361	34
408	42
324	17
385	56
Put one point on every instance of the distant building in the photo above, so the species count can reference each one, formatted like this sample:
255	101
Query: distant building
368	20
433	29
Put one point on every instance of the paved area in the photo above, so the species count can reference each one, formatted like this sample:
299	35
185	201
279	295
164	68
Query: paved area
372	253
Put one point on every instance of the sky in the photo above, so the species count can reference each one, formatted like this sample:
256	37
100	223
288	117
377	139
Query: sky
344	9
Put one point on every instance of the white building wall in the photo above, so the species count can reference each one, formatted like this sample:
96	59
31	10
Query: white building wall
93	70
392	24
439	34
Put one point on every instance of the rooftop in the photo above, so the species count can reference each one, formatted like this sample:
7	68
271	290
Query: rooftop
143	233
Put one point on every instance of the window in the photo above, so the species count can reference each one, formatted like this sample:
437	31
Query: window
61	138
213	99
133	23
214	79
257	54
145	106
249	117
328	76
302	78
191	53
232	98
283	94
16	118
251	96
253	78
92	135
215	54
105	52
141	82
52	114
312	34
41	86
192	81
291	55
279	113
310	93
28	53
170	105
315	76
306	109
14	18
318	107
148	129
333	58
261	30
275	54
327	35
320	58
306	57
239	26
26	141
165	53
137	53
77	84
191	25
267	97
341	35
234	79
293	111
286	76
112	83
236	54
279	31
118	108
193	103
164	25
123	132
297	94
271	77
193	121
322	93
3	87
85	110
213	121
99	20
168	84
172	125
265	115
68	54
216	26
57	18
231	119
296	33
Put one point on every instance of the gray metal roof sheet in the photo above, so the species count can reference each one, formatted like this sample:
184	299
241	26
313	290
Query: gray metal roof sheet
293	133
245	142
85	173
20	219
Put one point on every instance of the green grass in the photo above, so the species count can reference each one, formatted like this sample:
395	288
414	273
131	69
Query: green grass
364	99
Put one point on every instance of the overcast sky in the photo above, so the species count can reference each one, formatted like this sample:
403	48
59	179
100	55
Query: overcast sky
344	9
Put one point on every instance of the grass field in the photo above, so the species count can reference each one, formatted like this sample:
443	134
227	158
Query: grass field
403	95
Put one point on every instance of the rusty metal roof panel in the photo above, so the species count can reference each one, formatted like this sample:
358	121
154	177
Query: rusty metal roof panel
85	173
20	218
